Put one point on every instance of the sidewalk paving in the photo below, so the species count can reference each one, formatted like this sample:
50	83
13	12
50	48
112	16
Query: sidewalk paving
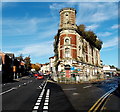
24	77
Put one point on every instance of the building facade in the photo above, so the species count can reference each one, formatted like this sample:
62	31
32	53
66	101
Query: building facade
73	52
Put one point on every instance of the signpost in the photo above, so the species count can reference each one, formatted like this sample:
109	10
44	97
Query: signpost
68	74
14	70
79	70
72	68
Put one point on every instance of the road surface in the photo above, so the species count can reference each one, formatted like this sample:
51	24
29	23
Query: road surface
44	95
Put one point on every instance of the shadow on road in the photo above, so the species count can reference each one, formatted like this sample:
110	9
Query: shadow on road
58	100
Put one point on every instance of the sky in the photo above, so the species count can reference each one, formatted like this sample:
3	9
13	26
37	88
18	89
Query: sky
29	27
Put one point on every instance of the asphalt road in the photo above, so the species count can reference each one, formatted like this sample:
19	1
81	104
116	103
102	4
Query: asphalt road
85	96
34	95
31	95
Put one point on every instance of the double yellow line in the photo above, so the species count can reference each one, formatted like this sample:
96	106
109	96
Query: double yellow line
99	102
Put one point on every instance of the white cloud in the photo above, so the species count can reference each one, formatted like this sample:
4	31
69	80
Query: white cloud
96	12
104	34
88	12
116	26
111	43
25	26
37	50
56	6
92	27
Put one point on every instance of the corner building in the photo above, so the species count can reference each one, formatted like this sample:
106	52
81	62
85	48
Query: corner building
74	51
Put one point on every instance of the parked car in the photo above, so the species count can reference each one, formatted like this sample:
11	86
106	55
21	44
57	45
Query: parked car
40	77
36	74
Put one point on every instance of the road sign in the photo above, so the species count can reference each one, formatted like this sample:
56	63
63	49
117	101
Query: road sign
72	68
14	68
79	70
68	74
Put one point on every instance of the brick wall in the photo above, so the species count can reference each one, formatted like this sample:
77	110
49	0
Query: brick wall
74	53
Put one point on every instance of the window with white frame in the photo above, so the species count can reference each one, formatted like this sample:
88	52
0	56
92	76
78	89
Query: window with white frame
67	52
67	41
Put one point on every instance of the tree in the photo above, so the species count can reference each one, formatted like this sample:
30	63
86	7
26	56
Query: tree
89	36
36	67
98	44
81	30
81	27
27	61
20	57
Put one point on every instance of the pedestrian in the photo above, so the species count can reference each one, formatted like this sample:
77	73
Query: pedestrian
77	78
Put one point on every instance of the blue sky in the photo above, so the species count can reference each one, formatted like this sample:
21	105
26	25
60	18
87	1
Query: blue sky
29	27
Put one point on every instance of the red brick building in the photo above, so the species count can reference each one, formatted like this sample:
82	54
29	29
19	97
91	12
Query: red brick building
72	50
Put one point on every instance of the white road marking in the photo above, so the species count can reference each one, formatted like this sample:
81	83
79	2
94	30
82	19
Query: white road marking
74	94
70	89
87	86
40	87
15	87
7	91
46	100
45	111
45	107
37	104
34	111
39	98
45	103
36	107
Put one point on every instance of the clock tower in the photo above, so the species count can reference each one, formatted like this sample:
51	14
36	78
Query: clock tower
67	18
67	49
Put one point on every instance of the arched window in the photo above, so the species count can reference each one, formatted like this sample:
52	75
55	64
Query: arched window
67	52
67	41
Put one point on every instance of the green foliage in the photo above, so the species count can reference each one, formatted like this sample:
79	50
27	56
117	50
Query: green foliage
27	61
89	36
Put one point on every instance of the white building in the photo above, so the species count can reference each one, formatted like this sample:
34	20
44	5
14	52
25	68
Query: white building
108	70
45	67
